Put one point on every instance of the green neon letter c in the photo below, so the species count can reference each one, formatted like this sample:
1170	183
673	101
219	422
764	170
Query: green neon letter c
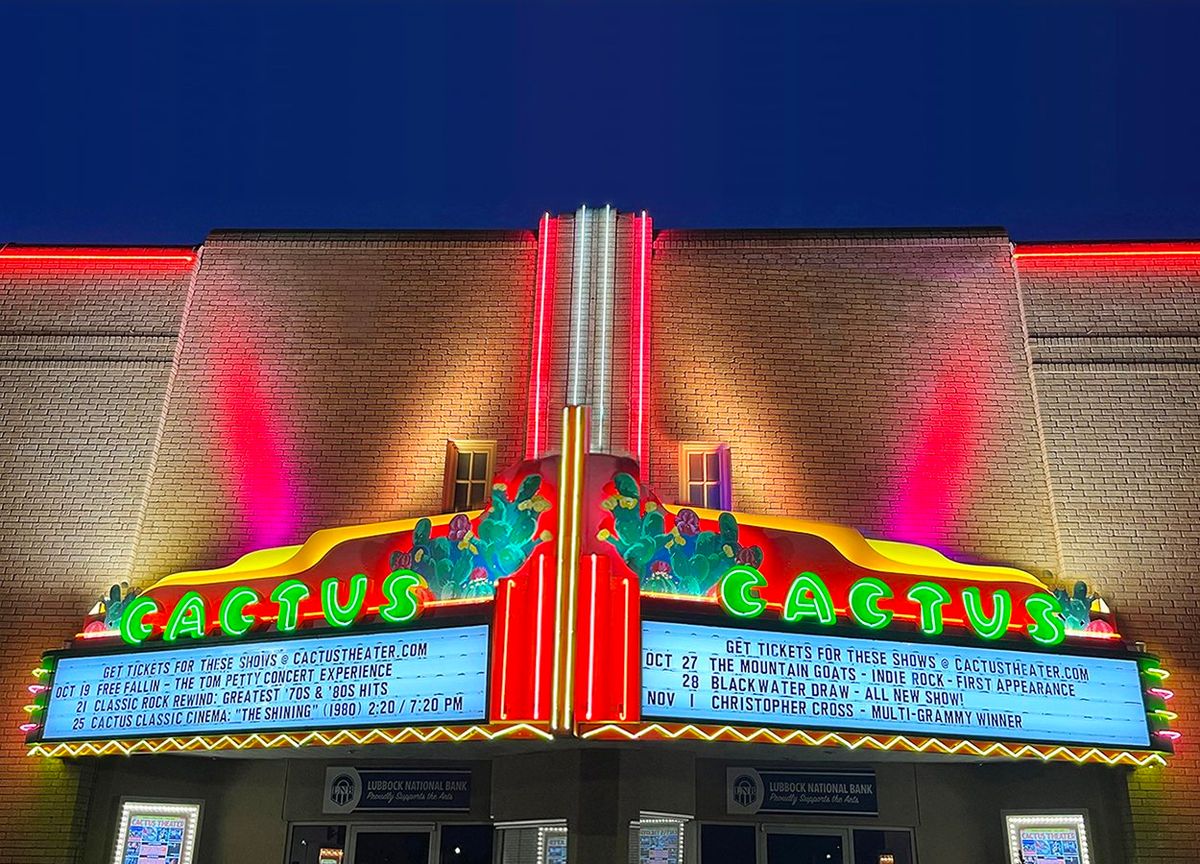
232	615
736	590
865	595
134	628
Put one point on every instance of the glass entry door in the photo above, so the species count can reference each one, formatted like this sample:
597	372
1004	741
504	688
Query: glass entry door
390	844
805	846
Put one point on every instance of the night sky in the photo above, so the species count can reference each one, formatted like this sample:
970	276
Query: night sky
154	122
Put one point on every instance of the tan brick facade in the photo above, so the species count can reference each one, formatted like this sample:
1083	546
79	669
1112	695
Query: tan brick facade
915	385
85	354
1116	353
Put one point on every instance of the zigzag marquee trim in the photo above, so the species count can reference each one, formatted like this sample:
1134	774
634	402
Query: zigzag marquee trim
800	737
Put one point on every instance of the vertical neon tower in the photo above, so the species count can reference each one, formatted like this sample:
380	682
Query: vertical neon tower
591	330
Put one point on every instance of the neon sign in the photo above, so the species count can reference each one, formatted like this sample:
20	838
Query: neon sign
808	599
191	616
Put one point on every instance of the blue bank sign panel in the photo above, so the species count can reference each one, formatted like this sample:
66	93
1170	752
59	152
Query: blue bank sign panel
376	680
694	672
750	790
350	790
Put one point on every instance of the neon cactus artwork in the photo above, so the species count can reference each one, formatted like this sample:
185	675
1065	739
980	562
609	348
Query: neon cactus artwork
682	560
469	560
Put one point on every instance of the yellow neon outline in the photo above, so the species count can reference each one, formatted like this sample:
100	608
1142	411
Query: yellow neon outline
326	738
800	737
292	560
887	556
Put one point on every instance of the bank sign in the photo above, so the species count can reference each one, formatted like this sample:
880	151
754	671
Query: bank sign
350	790
737	676
750	790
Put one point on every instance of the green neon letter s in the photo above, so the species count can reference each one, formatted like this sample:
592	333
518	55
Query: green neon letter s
189	618
1048	627
997	625
338	615
865	595
932	598
739	594
289	595
809	598
232	615
134	628
399	589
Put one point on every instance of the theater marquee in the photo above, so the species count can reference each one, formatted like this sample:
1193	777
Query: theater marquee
578	604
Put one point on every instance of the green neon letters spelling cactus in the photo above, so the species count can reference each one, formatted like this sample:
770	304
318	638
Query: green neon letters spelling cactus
808	598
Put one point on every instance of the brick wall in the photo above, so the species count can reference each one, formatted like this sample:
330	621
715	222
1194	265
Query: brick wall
85	353
878	380
319	378
1116	351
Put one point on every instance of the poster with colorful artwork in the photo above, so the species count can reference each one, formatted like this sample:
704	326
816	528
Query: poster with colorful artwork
154	840
1049	846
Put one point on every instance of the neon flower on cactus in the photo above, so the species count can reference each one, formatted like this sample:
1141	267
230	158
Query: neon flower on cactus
479	584
687	522
660	578
460	525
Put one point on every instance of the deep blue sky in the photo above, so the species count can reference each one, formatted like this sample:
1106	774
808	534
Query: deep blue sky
152	122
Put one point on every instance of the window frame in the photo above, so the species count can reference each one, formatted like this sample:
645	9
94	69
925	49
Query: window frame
456	447
724	482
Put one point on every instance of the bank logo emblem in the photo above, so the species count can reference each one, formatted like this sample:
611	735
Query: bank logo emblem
745	791
343	789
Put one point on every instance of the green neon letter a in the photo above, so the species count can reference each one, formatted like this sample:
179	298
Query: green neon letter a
336	614
809	598
189	618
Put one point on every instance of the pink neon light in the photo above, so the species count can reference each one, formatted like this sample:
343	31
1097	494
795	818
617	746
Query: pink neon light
1169	734
639	416
537	647
948	418
27	727
35	689
1161	693
625	657
86	253
537	422
252	443
504	657
591	688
